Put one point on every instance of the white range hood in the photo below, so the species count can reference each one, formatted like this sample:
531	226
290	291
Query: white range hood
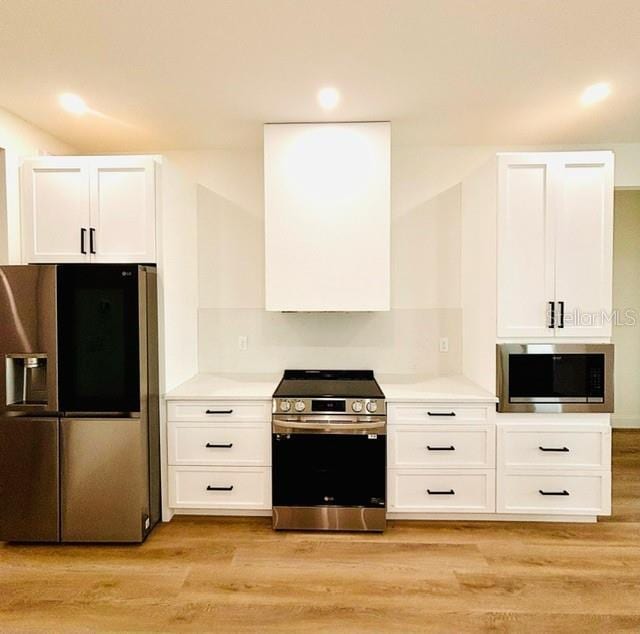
327	216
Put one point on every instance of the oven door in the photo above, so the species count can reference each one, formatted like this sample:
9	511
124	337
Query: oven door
329	463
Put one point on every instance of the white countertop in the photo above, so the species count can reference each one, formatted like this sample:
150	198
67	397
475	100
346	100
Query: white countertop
402	387
226	386
396	388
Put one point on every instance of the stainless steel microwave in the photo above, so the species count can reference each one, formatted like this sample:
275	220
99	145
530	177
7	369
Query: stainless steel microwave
552	378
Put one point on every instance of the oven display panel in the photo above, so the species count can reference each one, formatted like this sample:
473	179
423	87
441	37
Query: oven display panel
328	406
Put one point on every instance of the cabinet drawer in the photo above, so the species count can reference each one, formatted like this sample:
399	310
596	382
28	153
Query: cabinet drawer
466	446
219	444
563	447
438	413
220	487
219	410
421	491
555	493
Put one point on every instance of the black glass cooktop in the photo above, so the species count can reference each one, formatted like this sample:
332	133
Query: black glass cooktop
328	384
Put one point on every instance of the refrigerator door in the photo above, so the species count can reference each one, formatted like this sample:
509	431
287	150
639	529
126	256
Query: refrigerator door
29	486
99	335
28	353
104	479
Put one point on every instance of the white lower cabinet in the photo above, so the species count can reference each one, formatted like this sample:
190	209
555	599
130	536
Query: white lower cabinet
220	487
423	491
430	446
239	444
554	464
555	493
441	458
219	456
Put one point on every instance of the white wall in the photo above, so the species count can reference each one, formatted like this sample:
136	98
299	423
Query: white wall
19	139
177	276
626	295
479	258
425	279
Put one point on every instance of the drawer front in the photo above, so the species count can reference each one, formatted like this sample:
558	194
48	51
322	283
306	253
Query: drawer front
438	413
420	491
220	487
219	410
549	446
465	446
240	444
555	493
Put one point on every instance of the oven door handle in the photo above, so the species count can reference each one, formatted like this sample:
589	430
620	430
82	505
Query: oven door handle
326	425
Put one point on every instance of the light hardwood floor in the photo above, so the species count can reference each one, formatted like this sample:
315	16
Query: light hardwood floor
236	575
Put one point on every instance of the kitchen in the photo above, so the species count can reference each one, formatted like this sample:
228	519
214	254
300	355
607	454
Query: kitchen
234	314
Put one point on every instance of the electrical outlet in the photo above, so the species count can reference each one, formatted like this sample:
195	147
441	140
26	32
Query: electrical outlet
243	342
444	344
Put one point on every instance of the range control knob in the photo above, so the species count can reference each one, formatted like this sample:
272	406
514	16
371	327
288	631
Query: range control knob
372	406
356	406
299	406
285	406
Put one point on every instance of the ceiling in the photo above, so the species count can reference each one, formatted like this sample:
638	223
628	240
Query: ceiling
186	74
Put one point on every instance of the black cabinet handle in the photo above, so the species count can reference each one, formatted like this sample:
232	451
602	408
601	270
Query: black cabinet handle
552	315
441	413
219	411
83	234
213	446
449	492
449	448
229	488
92	240
561	315
562	449
563	492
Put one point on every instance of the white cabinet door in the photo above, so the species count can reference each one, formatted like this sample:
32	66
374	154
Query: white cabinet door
525	245
55	210
327	216
584	244
123	209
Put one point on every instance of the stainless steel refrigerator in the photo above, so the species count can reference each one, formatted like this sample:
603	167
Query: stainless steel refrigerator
79	405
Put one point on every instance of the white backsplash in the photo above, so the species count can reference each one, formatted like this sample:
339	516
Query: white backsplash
395	342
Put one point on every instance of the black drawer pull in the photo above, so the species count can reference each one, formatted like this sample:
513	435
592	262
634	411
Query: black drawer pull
562	449
449	448
219	411
563	492
449	492
441	413
214	446
229	488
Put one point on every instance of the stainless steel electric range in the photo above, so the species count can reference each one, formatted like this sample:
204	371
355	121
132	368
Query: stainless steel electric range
329	451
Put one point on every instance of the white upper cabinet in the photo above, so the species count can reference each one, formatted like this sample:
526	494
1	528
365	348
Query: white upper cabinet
525	237
89	209
327	223
123	209
555	236
584	243
55	210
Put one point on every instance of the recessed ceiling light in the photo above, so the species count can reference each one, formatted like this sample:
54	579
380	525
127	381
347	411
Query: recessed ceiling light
328	97
595	93
73	103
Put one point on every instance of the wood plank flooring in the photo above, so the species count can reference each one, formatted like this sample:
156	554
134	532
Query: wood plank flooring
237	575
